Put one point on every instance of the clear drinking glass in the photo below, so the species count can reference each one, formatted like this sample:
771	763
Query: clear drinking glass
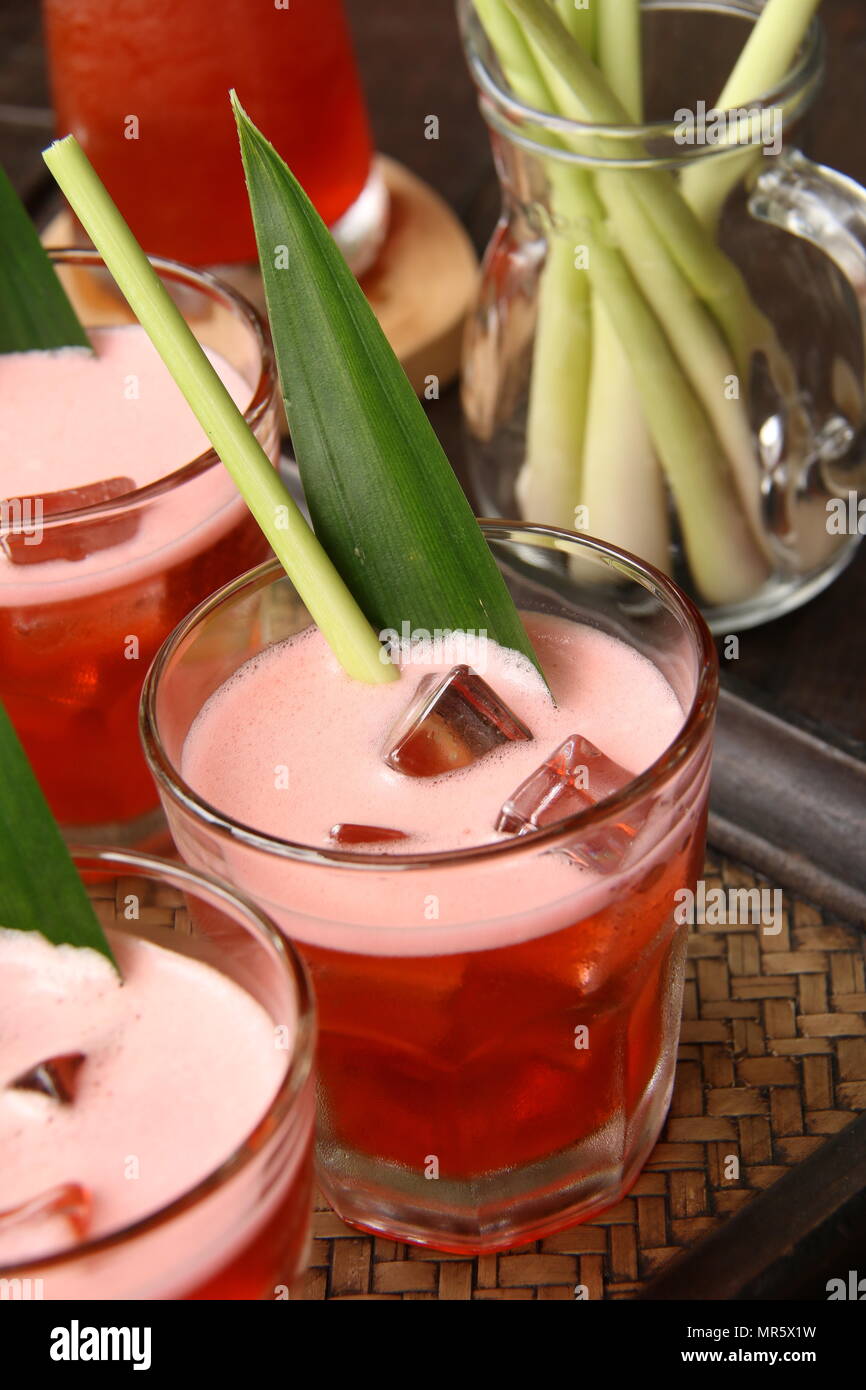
456	1042
75	641
243	1231
786	411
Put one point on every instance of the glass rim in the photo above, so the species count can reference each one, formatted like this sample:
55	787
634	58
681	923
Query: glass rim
213	287
508	114
292	1085
696	720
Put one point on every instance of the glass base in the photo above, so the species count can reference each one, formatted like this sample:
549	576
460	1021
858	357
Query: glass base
360	232
485	1215
148	832
779	596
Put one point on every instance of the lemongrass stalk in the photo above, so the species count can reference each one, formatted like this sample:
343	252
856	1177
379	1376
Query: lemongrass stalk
712	274
722	553
769	50
585	95
691	332
318	583
629	197
548	485
580	19
714	277
748	333
567	363
699	346
619	52
765	59
545	33
724	559
582	25
622	485
512	50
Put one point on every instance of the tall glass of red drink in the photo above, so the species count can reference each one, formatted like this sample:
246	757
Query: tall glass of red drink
499	1020
87	598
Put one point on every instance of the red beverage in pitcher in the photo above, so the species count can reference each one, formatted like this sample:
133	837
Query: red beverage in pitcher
143	85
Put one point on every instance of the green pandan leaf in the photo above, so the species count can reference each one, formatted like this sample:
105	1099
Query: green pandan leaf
40	889
34	309
384	499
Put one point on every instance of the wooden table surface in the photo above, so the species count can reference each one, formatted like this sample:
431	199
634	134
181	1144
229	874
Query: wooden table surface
810	666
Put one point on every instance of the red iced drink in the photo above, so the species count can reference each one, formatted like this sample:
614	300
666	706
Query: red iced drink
499	1008
156	1133
115	519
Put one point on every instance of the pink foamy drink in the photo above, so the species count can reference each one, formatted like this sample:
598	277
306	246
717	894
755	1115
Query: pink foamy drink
127	1106
418	755
81	429
115	519
480	870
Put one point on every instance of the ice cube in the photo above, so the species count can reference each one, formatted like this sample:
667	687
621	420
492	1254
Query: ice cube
576	776
451	721
604	850
346	833
70	1203
25	543
55	1077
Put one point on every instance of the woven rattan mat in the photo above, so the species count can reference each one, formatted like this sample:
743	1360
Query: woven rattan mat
772	1061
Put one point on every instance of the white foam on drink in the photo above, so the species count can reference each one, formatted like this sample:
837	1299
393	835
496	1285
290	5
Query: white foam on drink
70	418
290	745
180	1064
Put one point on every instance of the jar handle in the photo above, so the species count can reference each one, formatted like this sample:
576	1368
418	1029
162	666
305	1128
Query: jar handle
819	205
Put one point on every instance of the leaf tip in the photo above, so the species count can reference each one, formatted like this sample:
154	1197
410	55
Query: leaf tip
242	120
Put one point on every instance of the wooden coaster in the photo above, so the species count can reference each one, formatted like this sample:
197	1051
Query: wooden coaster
421	286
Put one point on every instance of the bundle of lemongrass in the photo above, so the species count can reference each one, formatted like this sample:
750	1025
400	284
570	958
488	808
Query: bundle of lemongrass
637	398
